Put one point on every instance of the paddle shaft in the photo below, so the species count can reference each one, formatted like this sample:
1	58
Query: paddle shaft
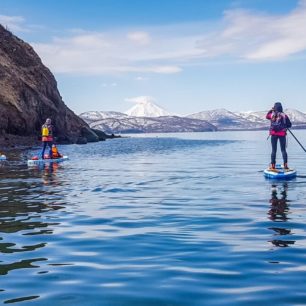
297	140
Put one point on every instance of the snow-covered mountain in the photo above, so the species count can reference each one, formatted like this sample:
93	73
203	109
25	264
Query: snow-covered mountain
146	108
224	119
253	116
296	116
164	124
215	114
221	119
256	119
98	115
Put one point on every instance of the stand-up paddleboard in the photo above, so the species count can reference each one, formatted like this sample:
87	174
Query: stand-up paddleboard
32	162
280	173
2	157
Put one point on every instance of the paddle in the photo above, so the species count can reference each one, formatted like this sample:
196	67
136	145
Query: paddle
296	140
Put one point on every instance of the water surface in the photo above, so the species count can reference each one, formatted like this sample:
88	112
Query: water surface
177	219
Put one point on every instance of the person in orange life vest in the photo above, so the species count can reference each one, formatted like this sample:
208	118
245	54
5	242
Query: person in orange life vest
47	137
278	131
55	153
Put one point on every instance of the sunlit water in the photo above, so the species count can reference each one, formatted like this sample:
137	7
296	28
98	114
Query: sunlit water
181	219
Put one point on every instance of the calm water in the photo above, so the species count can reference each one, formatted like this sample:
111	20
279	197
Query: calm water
184	219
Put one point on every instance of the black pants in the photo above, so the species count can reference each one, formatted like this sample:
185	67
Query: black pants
282	142
45	144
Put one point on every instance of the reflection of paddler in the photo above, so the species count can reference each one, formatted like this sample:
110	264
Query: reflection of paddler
49	174
278	213
279	206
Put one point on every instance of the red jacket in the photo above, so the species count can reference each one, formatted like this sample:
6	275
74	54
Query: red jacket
282	132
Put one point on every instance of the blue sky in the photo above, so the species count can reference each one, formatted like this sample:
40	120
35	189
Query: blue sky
186	55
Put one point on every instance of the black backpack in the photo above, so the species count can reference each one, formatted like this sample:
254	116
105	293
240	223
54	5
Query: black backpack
278	122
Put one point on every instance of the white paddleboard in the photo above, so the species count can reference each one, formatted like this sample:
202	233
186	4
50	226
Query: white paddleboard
280	173
32	162
2	157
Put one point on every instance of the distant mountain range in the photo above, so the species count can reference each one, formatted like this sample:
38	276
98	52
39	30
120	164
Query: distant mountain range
150	118
165	124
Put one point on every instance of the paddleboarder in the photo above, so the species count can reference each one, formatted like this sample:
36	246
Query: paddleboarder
280	122
47	137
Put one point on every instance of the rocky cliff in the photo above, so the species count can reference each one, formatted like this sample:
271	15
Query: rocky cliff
29	95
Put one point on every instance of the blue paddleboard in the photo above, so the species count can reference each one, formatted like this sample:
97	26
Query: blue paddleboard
32	162
280	173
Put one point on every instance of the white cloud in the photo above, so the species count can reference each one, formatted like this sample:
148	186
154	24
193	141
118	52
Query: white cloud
13	23
240	34
140	78
114	84
256	36
166	69
97	53
140	37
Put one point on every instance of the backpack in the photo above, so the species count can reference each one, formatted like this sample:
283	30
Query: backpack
278	122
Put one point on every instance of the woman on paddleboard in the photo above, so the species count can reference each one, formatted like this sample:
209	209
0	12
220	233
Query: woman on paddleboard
280	122
47	137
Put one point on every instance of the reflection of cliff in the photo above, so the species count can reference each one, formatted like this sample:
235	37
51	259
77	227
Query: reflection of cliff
25	219
29	95
279	213
23	264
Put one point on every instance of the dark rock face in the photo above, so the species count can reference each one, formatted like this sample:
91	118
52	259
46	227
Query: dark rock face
102	136
29	95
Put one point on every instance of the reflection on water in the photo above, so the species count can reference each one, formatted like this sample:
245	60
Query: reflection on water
48	172
279	211
279	204
24	215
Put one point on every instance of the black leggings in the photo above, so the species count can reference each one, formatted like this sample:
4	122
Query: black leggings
45	144
282	142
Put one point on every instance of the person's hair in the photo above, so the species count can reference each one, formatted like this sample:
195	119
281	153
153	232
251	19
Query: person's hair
278	107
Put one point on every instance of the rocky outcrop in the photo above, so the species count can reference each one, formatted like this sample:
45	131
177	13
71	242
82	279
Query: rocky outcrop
29	95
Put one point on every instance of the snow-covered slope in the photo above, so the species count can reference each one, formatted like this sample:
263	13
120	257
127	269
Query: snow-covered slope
296	116
224	119
165	124
98	115
151	118
215	114
147	109
253	116
257	119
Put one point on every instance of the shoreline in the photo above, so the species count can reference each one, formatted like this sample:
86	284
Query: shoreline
9	142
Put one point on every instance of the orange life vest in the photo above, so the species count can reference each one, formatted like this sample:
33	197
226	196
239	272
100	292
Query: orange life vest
55	152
